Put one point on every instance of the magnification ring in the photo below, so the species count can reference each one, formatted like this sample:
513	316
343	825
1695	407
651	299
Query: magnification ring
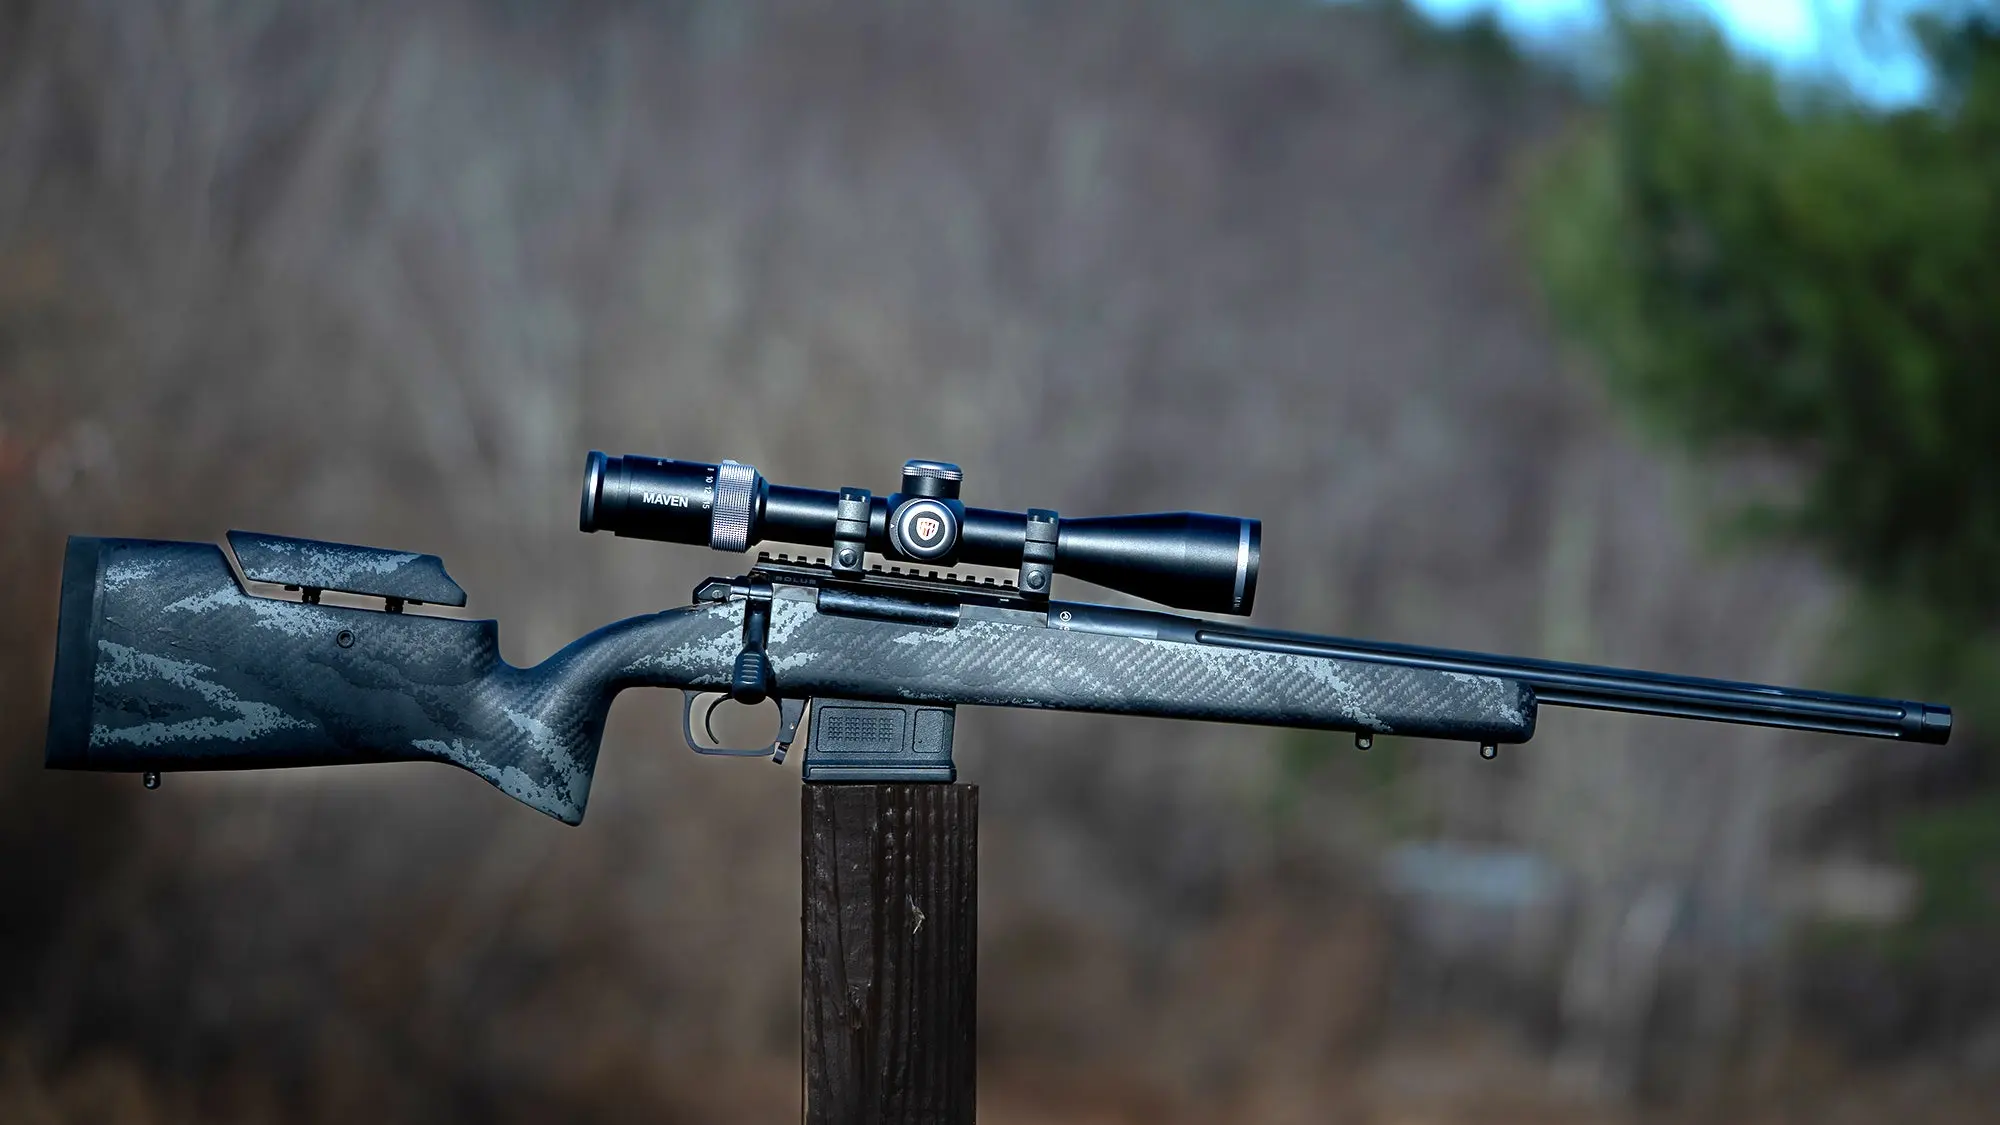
735	501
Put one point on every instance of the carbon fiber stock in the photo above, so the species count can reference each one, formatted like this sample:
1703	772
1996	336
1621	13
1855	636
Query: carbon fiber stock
165	662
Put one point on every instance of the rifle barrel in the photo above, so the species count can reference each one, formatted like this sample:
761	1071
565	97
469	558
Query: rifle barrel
1645	693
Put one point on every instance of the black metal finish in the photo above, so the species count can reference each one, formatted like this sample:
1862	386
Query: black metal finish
849	552
937	612
751	680
925	529
1184	559
650	498
855	740
938	480
1187	560
1038	554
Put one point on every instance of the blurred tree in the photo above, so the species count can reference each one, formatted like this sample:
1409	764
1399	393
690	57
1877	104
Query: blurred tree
1763	267
1766	268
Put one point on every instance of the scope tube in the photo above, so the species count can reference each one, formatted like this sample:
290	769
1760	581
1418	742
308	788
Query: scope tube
1188	560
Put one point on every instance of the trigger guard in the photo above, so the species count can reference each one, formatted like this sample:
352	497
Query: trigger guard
688	701
715	700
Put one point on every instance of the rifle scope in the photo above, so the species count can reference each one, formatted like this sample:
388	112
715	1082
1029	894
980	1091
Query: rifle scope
1188	560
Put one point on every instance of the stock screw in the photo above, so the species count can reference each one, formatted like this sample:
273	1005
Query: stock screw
1363	741
344	638
1489	751
151	780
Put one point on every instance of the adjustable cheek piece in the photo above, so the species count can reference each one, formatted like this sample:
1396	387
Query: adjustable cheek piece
749	684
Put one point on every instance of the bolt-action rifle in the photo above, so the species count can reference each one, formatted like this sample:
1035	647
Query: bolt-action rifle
179	656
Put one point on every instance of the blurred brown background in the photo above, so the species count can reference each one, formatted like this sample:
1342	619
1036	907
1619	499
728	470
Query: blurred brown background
383	272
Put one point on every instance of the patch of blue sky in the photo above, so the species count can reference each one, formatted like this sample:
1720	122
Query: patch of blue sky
1856	43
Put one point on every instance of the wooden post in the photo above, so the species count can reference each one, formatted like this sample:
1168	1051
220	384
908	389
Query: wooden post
890	885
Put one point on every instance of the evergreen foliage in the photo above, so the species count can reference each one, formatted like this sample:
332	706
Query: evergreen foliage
1759	267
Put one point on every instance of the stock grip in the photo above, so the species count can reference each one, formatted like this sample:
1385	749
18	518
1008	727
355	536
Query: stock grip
164	662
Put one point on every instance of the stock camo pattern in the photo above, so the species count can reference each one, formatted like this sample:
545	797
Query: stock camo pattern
165	662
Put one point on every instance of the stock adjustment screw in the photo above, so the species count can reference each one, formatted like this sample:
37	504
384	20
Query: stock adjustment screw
344	638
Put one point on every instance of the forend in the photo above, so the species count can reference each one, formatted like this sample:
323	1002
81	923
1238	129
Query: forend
1188	560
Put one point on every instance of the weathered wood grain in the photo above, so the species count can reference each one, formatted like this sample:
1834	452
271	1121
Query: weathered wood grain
890	942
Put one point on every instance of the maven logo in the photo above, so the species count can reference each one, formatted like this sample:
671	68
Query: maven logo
665	499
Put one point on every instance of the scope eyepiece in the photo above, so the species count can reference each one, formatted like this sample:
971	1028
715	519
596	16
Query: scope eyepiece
672	501
1188	560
